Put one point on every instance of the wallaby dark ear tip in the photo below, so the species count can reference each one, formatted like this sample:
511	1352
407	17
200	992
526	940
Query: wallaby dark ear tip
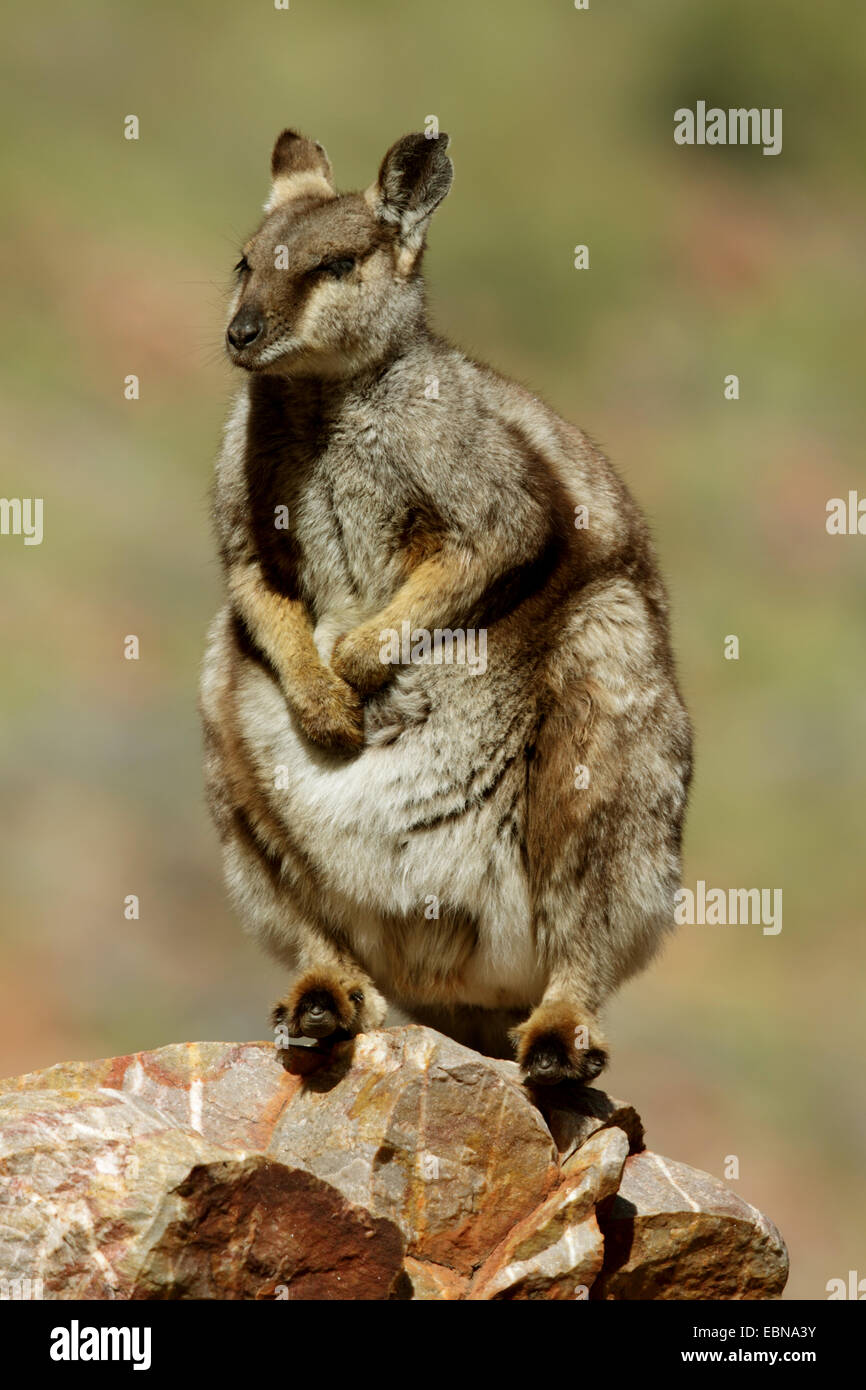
442	158
294	151
287	136
282	145
421	140
417	141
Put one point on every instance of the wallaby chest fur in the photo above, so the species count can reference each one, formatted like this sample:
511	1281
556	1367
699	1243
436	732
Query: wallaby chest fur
498	839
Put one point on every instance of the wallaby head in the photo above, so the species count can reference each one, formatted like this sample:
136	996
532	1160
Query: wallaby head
329	284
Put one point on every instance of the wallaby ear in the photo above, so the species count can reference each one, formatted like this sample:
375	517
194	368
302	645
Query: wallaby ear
300	169
414	177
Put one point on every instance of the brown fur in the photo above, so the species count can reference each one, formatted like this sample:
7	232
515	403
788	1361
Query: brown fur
329	709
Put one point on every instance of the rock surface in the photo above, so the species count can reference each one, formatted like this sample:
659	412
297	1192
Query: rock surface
557	1252
422	1130
674	1232
410	1167
255	1229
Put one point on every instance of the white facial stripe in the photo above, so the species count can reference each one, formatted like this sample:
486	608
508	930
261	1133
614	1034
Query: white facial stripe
284	344
301	336
304	334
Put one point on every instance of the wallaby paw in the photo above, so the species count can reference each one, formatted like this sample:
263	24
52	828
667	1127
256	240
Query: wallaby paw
332	716
319	1006
355	659
557	1043
329	1004
323	1008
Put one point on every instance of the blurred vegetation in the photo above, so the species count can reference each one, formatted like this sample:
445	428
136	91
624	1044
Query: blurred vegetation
703	262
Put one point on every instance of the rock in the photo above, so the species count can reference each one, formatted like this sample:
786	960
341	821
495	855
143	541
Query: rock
231	1093
254	1229
423	1130
433	1282
82	1174
557	1252
598	1165
672	1232
408	1167
407	1123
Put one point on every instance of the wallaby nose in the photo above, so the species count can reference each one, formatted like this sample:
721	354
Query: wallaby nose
245	327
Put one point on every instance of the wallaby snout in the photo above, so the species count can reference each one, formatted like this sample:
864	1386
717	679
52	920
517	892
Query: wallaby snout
245	328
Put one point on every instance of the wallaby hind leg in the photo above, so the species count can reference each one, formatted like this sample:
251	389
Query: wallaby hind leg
606	793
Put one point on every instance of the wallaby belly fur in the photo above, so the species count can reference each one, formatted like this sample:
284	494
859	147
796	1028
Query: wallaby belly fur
492	846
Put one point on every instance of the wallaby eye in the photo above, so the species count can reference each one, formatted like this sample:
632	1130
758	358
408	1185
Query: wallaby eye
242	266
337	268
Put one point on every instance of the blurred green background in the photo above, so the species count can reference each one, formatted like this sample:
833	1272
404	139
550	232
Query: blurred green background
704	262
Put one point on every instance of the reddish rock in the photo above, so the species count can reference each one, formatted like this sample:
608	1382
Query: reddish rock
254	1229
405	1167
557	1252
81	1175
231	1093
426	1281
406	1123
673	1232
597	1167
424	1131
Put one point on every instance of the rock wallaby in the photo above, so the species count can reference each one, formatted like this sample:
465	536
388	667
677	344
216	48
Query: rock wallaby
446	753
